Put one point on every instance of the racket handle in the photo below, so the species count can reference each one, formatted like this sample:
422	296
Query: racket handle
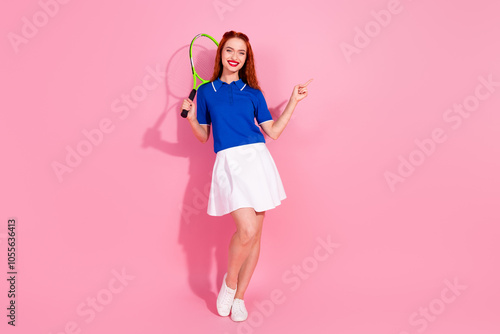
184	112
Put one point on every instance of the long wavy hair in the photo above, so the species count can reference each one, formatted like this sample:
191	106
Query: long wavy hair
247	72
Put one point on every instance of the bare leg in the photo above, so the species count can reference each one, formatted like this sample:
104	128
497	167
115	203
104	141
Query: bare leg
250	263
248	229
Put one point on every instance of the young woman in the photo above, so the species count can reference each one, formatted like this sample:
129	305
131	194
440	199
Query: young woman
245	180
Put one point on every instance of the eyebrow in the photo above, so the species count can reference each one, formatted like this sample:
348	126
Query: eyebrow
233	48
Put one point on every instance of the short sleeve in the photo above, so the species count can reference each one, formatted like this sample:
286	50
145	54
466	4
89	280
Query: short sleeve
262	113
202	113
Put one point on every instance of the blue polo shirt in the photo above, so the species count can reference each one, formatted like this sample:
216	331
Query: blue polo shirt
231	109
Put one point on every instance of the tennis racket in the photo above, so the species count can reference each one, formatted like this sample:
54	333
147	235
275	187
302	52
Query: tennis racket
202	53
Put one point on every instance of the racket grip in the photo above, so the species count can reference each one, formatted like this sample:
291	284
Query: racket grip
184	112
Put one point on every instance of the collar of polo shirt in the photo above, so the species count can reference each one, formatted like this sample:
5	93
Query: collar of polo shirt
217	83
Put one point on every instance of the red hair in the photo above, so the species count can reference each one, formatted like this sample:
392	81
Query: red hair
247	72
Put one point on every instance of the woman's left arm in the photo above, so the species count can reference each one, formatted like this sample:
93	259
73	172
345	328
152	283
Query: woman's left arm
274	128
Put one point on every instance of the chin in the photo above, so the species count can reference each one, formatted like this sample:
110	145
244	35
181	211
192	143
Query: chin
232	69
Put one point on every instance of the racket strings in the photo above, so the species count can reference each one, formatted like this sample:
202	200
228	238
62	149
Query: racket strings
204	51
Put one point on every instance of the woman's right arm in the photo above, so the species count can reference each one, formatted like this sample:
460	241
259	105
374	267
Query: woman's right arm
201	132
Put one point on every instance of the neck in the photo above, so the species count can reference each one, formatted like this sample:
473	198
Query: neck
229	77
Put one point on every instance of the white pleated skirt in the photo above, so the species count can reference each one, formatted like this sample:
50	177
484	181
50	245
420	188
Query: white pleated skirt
244	176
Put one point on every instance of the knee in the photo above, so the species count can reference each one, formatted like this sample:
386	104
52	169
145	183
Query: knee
248	235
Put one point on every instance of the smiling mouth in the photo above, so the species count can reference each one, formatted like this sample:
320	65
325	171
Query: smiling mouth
233	63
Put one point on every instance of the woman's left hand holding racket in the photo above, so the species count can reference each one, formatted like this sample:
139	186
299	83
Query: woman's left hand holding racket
190	106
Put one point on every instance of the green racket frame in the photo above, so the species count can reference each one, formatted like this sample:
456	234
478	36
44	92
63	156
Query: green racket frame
193	70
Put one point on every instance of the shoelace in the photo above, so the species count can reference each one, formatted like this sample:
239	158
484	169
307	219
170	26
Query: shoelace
227	298
238	305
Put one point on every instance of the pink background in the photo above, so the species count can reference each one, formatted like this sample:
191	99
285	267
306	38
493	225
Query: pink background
136	202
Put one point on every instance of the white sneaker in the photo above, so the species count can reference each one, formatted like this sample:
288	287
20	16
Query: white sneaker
239	311
225	298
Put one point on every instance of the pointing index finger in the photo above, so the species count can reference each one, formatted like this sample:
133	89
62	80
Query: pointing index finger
307	83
